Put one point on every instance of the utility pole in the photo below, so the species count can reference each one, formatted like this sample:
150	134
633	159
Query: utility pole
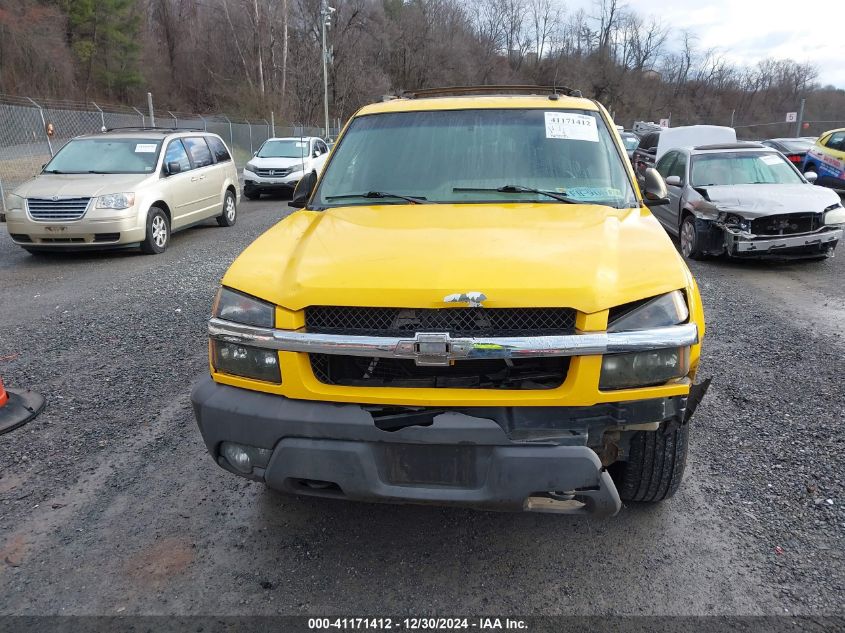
800	118
326	18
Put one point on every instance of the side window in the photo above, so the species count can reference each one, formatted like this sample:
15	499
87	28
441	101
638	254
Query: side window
324	149
176	154
218	148
665	164
679	167
837	141
649	141
315	148
198	149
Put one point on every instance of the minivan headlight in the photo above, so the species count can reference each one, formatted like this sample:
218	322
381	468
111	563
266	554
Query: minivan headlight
240	308
14	202
116	201
653	367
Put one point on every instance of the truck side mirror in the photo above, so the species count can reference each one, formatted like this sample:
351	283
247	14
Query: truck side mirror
811	177
304	189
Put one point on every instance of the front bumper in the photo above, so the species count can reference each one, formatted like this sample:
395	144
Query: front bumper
97	229
501	458
254	182
808	245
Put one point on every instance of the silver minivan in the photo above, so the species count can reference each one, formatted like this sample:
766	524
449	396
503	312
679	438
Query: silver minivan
124	188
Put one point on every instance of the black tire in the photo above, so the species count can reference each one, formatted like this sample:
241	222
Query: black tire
251	194
158	232
655	465
689	238
229	215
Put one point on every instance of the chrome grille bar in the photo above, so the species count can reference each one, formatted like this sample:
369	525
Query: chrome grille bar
58	210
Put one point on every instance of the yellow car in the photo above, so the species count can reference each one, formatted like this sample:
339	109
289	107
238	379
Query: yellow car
473	307
827	159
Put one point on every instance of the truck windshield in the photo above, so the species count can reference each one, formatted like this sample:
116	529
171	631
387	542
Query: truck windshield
742	168
287	148
107	155
474	156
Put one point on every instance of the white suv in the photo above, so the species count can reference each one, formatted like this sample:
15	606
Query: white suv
124	188
280	163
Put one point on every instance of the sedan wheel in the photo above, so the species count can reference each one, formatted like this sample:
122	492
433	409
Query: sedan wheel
690	243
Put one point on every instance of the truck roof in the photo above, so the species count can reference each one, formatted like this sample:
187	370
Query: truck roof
479	102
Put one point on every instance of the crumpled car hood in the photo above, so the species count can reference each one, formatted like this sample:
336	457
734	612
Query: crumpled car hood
587	257
755	201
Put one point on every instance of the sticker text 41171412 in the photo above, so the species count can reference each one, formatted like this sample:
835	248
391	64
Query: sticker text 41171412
571	126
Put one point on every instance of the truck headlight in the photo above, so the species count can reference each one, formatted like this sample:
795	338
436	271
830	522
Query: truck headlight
244	360
250	167
241	308
835	214
116	201
654	367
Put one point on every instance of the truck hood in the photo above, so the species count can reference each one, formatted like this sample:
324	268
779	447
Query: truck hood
586	257
754	201
80	185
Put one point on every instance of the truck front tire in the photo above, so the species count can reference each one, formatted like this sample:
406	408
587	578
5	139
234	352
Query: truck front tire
655	464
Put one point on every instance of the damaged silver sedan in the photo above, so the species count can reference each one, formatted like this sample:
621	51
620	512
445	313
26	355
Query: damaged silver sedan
746	200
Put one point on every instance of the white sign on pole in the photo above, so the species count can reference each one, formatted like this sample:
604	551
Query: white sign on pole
791	117
664	122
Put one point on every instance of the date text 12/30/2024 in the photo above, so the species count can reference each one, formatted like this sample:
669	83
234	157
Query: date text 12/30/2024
417	624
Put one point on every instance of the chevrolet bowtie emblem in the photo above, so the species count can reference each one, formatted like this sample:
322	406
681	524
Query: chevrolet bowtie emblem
472	299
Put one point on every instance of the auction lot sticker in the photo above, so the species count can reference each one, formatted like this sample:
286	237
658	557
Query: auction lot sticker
571	126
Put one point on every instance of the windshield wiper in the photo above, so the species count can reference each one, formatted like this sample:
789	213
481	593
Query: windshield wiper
378	195
517	189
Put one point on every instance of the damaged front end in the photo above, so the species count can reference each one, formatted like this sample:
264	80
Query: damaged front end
722	229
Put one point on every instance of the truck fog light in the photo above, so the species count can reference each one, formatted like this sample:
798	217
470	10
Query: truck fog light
246	361
244	458
643	369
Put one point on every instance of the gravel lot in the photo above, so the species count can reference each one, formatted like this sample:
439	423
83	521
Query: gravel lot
110	503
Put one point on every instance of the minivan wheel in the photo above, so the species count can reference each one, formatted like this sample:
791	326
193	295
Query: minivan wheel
230	210
158	232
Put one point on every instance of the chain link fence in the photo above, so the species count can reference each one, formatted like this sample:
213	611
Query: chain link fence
33	130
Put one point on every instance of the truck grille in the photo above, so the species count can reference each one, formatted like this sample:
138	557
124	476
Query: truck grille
357	371
61	210
468	322
787	224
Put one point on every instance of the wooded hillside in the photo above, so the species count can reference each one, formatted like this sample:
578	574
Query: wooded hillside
249	56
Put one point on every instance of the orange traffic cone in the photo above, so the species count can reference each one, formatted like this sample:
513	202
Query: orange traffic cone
18	407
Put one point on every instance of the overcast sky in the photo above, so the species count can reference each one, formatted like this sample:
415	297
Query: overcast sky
747	31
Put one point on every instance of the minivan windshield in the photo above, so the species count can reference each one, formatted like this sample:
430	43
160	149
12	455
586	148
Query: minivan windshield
106	155
742	168
287	148
474	156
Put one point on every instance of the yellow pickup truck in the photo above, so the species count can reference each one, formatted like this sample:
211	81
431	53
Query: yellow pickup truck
473	306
